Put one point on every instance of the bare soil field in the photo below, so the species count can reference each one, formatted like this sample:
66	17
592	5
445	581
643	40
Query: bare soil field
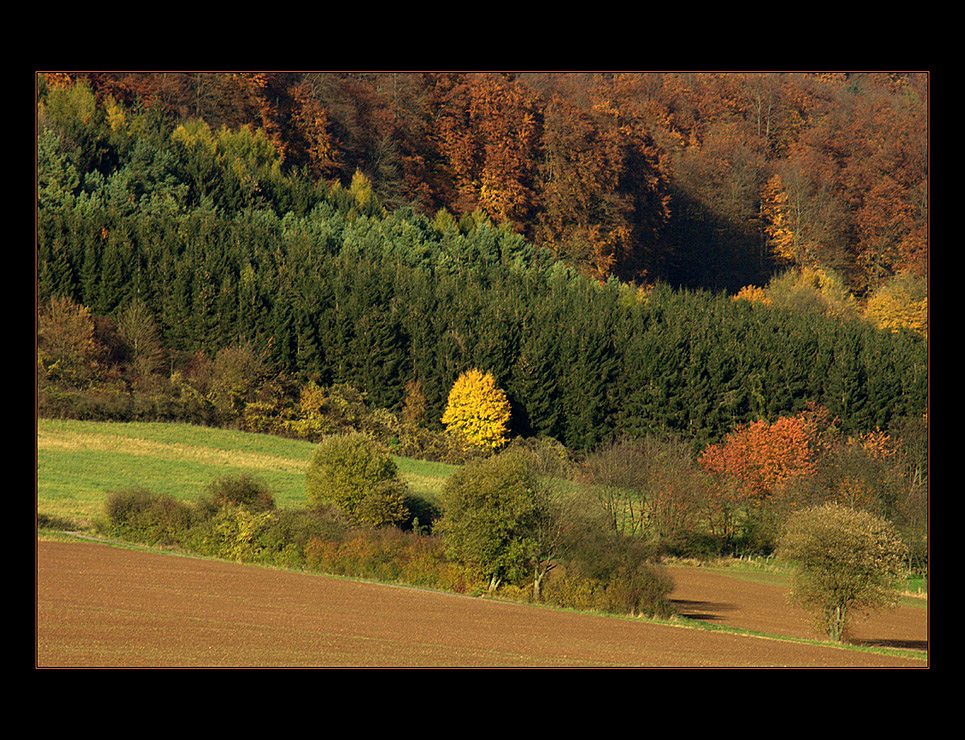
720	599
102	606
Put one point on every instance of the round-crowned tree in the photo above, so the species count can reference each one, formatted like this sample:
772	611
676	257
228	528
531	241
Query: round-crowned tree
492	509
477	410
846	562
353	474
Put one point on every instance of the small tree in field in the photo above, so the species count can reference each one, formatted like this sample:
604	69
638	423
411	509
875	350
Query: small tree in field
493	510
847	562
356	476
477	410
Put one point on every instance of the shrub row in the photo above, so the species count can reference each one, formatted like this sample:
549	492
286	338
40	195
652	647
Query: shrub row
643	590
236	521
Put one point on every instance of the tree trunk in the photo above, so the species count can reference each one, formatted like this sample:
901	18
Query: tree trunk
836	618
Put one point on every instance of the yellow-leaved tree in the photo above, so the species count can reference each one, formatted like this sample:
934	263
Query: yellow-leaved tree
477	410
901	303
777	220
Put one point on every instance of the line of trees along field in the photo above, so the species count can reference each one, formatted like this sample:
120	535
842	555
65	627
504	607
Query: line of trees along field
217	248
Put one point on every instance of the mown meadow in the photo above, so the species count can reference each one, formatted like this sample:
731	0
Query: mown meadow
79	463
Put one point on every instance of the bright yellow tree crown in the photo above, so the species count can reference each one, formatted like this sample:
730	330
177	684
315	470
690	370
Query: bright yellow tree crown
478	410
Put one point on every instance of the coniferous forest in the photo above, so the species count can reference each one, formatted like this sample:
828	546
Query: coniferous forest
659	254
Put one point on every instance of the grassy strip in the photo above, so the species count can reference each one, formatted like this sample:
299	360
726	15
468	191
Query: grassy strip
775	574
698	624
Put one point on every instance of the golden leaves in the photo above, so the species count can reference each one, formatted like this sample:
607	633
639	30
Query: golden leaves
478	410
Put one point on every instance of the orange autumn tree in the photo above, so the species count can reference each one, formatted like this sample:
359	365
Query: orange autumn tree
777	217
507	122
486	130
604	183
294	120
761	457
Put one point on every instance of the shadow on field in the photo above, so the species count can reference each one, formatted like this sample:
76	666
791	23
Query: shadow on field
701	610
899	644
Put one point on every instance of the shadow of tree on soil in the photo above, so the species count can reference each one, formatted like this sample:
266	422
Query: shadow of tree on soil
899	644
706	611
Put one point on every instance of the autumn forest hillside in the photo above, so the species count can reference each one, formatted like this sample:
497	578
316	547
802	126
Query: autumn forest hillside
700	180
627	254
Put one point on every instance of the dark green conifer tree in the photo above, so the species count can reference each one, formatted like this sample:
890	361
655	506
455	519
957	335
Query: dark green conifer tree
846	388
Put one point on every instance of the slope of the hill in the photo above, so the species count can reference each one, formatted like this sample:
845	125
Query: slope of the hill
100	606
220	275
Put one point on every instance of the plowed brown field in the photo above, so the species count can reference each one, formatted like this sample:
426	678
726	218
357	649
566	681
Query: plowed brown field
101	606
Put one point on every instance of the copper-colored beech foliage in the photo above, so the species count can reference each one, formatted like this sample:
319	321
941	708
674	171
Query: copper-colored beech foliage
761	457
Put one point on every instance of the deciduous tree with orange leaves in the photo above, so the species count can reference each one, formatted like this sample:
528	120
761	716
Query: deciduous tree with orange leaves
760	457
487	131
295	121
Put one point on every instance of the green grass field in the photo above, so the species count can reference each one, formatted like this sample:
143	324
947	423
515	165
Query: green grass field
79	463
